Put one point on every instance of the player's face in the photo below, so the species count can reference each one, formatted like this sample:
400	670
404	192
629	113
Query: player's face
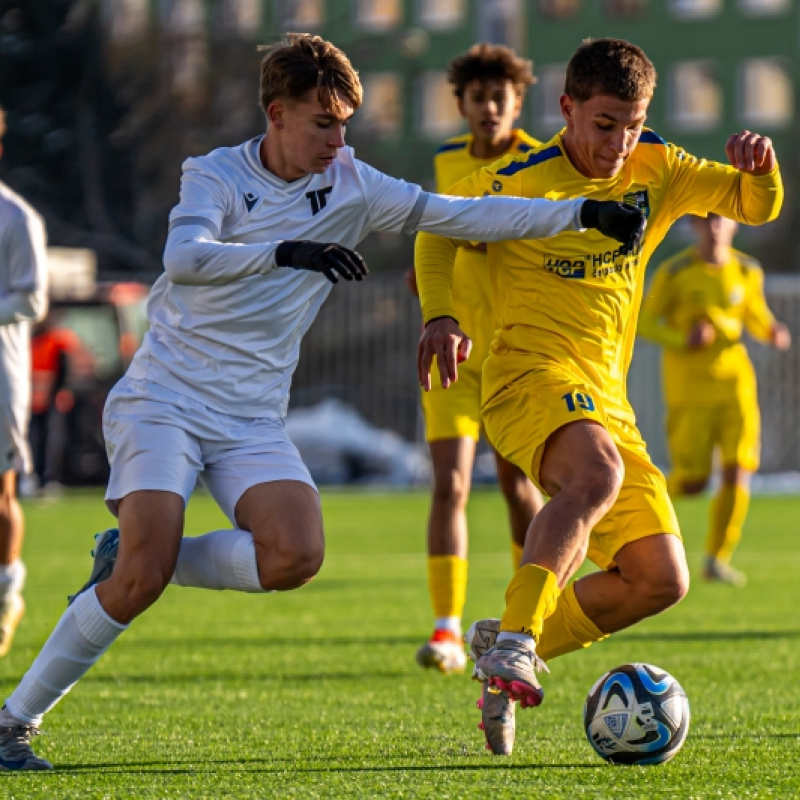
490	108
602	132
309	136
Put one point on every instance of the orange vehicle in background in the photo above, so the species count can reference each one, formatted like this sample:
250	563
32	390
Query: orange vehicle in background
95	327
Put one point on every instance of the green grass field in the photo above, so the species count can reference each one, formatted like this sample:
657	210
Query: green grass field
315	693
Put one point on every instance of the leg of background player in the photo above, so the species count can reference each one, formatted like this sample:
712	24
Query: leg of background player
452	461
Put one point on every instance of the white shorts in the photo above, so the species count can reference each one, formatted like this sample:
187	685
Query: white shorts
15	452
158	439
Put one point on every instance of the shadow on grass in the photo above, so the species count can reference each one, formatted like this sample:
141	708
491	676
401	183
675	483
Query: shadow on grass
251	765
273	641
708	636
266	677
360	641
754	735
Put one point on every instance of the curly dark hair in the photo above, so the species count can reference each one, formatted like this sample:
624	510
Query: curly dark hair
484	61
302	61
610	66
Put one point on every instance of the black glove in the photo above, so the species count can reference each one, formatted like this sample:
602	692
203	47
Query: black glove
623	223
329	259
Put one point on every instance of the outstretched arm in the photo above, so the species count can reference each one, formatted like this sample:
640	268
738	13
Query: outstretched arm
195	257
496	218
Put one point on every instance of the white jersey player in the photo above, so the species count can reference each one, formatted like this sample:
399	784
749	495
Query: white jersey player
23	300
258	236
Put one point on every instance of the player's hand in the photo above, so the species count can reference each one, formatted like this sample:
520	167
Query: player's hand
702	335
410	276
780	336
616	220
331	260
443	340
751	152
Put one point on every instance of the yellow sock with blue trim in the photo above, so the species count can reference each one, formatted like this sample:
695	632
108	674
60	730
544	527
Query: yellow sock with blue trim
447	583
530	598
568	628
728	511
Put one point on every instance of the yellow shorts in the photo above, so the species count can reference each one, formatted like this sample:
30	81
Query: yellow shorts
521	418
734	426
454	413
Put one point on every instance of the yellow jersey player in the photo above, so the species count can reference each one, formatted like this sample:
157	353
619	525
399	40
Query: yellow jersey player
697	306
489	84
554	393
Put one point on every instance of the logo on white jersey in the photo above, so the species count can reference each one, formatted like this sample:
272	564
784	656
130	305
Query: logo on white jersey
318	199
250	200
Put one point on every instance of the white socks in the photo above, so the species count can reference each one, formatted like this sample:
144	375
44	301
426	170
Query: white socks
12	578
82	635
218	560
452	624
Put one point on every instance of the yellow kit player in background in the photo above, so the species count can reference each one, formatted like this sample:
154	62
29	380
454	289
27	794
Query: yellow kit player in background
696	308
489	84
554	384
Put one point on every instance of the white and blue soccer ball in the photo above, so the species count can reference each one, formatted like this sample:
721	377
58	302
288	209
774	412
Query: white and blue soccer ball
636	714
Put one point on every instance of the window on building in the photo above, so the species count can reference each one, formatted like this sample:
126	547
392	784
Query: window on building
437	109
379	15
766	94
764	8
300	15
440	14
182	17
188	62
695	9
381	114
695	96
502	22
548	91
624	9
559	9
125	20
240	16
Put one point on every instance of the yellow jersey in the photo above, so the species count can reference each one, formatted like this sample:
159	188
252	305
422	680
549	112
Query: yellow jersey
686	290
573	299
472	297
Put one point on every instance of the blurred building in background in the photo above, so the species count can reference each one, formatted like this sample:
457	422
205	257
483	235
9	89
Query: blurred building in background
105	98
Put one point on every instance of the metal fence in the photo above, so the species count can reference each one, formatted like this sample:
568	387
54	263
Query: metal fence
362	350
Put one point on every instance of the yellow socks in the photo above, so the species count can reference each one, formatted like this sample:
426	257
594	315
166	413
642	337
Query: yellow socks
516	555
728	512
567	628
447	583
530	598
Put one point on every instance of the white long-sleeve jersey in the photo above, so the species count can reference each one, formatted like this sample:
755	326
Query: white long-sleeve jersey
226	322
23	299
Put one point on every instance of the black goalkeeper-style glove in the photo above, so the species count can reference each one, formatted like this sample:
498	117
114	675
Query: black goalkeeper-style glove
623	223
329	259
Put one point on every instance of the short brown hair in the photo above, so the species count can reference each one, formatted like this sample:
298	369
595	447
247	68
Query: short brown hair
300	62
2	123
610	66
485	62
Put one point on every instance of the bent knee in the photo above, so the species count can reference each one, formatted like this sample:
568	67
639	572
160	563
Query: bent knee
599	489
667	589
140	589
290	570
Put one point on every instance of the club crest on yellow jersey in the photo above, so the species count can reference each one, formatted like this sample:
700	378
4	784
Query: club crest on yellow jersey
640	200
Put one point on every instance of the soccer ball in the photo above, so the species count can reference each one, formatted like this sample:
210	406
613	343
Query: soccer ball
636	714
